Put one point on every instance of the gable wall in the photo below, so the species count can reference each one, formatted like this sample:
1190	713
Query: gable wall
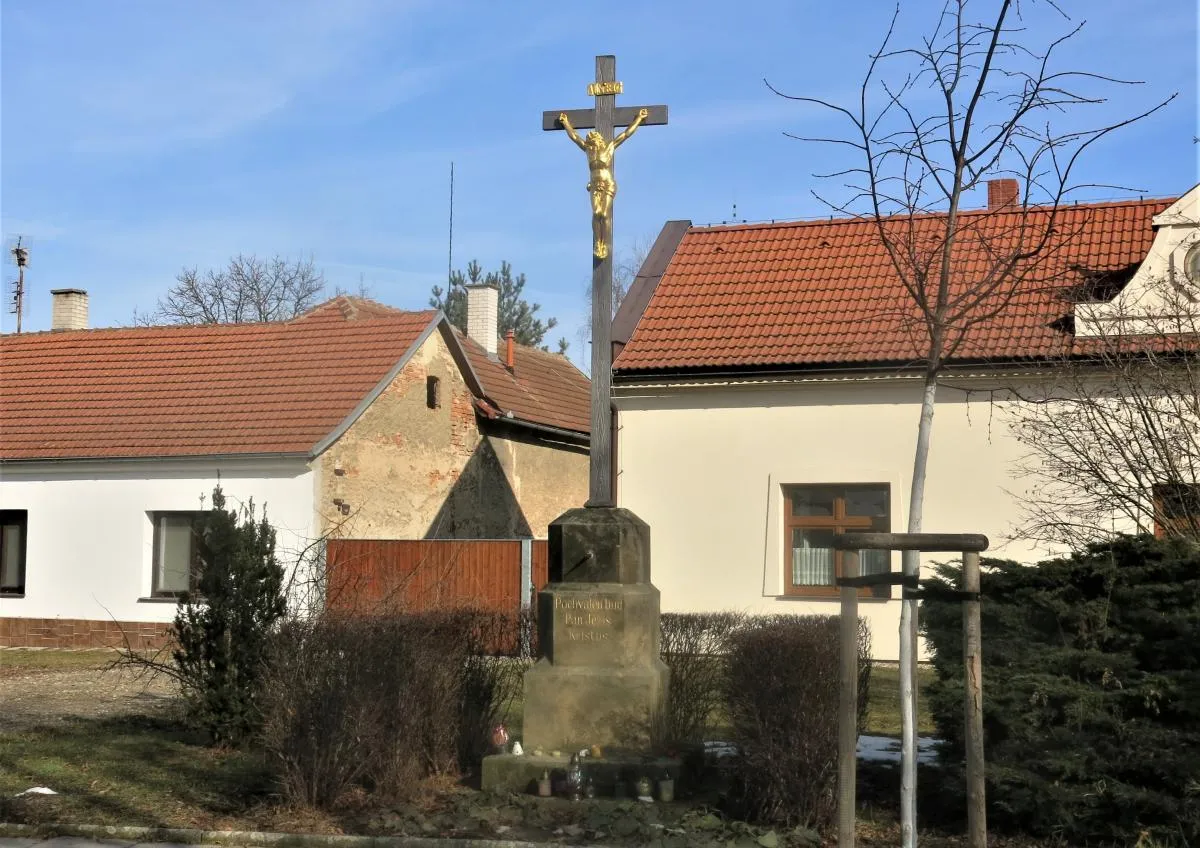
547	477
411	472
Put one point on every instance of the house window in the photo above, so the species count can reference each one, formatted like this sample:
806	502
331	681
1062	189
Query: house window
13	523
814	515
176	554
1176	510
433	392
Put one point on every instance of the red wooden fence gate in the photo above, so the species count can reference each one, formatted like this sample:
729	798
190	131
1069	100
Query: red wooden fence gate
375	575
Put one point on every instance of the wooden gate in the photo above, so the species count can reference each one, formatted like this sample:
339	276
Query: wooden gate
378	575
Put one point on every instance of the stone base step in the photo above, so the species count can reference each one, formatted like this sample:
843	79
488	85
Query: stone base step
613	775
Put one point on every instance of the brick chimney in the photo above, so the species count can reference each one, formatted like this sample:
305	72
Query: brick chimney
1001	193
68	309
483	315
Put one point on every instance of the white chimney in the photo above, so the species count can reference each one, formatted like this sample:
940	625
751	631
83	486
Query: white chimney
483	314
69	309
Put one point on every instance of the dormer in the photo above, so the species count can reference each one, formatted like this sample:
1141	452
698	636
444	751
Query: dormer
1163	295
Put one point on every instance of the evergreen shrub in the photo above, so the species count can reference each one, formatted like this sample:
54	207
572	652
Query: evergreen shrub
1091	687
222	630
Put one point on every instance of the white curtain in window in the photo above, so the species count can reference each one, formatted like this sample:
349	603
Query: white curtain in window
811	566
10	557
874	562
174	553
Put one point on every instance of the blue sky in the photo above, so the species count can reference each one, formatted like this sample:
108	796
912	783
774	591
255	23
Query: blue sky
141	137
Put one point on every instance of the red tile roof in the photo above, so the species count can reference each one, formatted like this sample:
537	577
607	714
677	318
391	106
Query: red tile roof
543	388
824	293
194	390
240	388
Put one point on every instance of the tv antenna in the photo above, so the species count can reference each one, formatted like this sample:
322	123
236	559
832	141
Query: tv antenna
21	257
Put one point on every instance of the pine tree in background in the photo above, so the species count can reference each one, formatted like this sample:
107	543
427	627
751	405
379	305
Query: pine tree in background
222	629
515	313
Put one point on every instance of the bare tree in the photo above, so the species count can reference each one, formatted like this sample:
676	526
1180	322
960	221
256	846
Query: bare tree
625	270
1113	437
248	289
972	101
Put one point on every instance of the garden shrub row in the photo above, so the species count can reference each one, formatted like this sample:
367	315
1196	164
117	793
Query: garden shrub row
771	683
382	702
1091	670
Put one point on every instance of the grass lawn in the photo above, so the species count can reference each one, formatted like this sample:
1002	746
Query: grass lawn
133	770
27	662
883	718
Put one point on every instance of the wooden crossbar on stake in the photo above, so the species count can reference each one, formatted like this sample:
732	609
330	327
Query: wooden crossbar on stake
969	545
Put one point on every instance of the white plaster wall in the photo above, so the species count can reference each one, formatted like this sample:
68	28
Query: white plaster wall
705	468
90	538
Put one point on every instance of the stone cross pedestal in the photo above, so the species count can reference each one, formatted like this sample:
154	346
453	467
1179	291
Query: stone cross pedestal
600	679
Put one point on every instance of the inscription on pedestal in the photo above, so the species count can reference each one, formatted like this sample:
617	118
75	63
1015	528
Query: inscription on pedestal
591	619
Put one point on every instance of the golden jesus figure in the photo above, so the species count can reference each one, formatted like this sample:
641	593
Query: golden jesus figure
603	187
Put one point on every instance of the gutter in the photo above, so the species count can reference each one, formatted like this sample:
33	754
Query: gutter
837	373
208	457
493	413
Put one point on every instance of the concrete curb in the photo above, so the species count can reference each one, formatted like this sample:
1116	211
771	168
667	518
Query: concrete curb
189	836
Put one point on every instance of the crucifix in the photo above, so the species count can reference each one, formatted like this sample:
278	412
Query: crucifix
599	146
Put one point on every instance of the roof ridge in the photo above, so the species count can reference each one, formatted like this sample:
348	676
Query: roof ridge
214	327
832	220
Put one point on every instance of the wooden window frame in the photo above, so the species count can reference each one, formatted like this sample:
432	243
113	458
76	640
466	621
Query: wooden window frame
193	554
839	523
19	517
1165	524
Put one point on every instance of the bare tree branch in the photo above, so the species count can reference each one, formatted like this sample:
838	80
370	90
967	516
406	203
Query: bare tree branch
248	289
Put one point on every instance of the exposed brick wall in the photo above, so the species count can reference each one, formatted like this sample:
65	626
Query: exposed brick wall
80	633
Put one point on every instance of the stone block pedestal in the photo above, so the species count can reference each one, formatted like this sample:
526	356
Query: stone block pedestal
600	680
571	708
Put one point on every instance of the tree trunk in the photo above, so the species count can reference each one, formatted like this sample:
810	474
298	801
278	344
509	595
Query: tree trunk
908	626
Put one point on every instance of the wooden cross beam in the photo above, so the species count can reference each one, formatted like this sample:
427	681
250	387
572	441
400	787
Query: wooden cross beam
604	118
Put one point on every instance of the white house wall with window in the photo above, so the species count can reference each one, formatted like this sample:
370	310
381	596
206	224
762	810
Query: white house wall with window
744	485
354	419
767	383
94	546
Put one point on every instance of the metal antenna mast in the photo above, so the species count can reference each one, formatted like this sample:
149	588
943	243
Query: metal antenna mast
450	258
21	257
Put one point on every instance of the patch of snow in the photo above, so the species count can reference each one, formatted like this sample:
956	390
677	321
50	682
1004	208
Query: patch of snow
873	749
36	790
885	749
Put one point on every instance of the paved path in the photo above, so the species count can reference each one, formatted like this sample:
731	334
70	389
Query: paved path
80	842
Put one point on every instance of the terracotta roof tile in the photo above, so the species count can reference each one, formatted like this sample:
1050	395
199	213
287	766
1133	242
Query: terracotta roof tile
194	390
543	388
824	293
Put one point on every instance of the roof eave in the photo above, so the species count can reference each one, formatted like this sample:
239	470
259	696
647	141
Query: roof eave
379	388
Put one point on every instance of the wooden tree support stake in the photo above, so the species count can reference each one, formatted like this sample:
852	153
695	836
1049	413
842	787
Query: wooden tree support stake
973	705
848	705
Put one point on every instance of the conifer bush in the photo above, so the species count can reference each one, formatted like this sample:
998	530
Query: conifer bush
1091	685
222	629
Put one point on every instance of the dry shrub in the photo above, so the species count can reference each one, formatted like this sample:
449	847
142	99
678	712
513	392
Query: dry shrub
382	702
782	695
695	647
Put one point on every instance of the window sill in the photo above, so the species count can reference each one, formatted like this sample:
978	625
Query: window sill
832	598
10	594
158	600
